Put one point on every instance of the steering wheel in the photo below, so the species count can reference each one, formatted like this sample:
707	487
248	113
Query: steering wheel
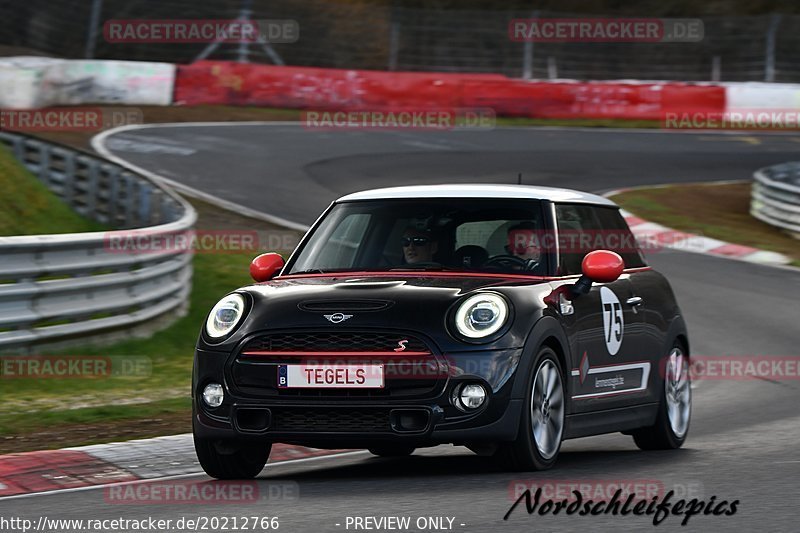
507	262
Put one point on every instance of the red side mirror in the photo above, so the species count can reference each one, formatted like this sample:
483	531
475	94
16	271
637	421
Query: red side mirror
602	266
266	266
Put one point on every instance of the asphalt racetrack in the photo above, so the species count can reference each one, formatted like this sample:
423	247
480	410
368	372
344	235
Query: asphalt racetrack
743	442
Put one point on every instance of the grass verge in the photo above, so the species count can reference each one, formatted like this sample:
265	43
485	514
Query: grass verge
94	425
719	211
27	207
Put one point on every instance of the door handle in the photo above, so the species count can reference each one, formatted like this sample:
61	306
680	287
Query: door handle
635	301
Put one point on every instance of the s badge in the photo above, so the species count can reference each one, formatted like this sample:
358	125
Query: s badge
613	322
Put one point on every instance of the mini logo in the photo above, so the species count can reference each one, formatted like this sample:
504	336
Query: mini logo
401	345
337	317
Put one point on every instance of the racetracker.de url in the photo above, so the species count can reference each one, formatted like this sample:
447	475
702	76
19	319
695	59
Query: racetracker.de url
45	524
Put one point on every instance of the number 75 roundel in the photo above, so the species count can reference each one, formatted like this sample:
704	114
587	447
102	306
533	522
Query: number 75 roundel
613	323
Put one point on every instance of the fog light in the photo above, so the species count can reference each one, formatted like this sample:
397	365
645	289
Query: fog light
470	397
213	395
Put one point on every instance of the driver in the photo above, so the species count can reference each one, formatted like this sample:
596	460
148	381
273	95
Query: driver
523	242
419	245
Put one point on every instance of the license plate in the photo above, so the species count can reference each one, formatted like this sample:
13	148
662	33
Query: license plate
330	376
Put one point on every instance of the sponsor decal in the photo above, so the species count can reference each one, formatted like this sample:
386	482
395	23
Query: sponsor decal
616	381
610	379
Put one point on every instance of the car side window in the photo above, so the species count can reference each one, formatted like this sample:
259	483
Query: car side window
619	238
585	228
575	223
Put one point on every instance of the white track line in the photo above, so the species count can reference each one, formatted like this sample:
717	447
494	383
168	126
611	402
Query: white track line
98	143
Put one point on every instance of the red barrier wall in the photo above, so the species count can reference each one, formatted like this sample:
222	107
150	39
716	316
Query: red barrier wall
641	101
222	82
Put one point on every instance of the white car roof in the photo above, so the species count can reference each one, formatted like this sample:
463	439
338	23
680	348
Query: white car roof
472	190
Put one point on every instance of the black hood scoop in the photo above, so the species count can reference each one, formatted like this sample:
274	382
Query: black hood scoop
342	306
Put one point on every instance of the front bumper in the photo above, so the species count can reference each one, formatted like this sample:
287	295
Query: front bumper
339	422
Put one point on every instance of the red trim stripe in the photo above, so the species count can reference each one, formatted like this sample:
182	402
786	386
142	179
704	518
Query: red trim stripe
408	274
260	353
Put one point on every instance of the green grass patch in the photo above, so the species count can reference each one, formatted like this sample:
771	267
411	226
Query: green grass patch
719	211
27	207
15	423
80	427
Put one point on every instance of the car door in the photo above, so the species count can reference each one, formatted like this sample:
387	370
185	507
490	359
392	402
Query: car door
652	299
610	367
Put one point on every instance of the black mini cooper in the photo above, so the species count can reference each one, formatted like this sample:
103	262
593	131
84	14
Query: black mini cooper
502	318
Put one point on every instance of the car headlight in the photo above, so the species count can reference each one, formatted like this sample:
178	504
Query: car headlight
225	315
481	315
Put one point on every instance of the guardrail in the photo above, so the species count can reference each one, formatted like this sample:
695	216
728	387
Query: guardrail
775	197
55	289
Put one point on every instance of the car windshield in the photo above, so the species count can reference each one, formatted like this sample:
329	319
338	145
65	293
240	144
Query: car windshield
462	234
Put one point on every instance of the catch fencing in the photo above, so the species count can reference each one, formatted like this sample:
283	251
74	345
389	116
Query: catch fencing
367	35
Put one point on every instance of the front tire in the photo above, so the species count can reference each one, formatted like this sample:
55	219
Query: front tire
231	459
675	409
542	428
